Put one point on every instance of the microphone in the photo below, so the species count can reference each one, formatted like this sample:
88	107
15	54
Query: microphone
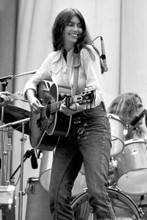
137	118
34	162
103	56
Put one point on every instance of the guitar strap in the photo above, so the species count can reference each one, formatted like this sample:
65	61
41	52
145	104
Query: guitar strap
76	63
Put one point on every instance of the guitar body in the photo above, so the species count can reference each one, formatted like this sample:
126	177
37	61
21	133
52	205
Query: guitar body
47	126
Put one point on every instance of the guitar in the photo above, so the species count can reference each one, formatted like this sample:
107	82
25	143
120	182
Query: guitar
50	124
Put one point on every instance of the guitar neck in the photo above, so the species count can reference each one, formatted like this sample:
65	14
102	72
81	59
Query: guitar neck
80	98
54	107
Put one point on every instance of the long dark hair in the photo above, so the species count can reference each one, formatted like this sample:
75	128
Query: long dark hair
62	19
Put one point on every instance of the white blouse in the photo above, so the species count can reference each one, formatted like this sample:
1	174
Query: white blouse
61	72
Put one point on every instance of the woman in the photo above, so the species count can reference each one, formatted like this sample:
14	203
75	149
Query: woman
89	140
127	106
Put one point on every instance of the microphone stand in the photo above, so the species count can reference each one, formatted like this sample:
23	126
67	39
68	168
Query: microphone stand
26	156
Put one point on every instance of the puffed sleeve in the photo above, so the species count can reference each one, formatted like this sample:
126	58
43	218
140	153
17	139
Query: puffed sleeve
43	73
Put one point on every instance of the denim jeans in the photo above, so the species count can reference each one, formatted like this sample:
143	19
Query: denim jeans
89	142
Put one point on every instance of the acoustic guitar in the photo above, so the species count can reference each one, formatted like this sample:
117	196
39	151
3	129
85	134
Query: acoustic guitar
47	126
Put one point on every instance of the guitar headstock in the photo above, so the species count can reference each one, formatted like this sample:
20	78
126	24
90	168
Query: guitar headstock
84	97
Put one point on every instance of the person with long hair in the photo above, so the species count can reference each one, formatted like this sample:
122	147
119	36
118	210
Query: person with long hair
127	106
89	140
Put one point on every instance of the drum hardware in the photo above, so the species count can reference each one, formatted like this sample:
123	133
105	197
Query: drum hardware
9	114
15	114
31	185
113	164
131	174
25	73
5	78
22	139
141	202
118	128
7	206
21	193
4	84
112	171
27	155
123	206
8	155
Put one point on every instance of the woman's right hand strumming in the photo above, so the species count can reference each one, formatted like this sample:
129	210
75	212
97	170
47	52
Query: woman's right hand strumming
35	104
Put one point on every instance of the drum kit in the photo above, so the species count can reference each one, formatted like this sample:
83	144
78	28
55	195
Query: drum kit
127	179
21	125
12	118
128	168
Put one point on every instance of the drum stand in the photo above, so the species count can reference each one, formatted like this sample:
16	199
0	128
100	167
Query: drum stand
4	84
23	139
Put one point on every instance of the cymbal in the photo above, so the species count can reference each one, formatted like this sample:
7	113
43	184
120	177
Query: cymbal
13	113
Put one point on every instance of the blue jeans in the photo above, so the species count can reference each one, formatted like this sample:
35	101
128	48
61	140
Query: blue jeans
89	142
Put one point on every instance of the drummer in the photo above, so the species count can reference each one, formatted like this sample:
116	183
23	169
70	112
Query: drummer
5	98
126	106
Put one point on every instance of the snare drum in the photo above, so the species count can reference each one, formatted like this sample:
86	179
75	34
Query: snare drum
45	174
131	172
117	134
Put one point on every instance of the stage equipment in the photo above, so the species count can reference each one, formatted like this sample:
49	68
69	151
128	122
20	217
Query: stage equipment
7	202
37	201
117	134
22	139
5	78
131	173
123	206
15	114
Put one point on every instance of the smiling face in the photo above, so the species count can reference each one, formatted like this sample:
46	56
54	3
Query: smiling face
71	33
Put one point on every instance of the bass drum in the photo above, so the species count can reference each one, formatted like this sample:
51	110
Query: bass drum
123	206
